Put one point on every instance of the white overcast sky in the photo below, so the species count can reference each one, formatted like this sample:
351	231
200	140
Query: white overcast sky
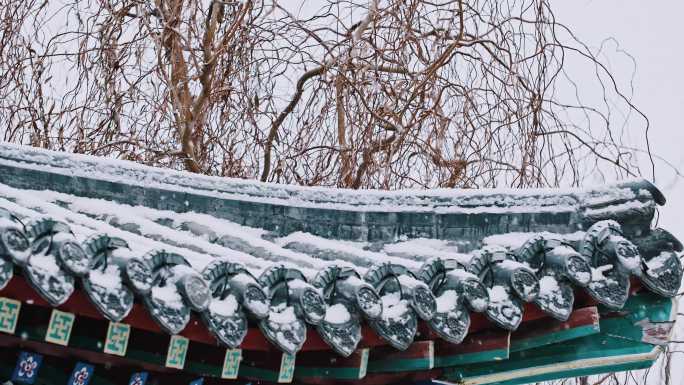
653	33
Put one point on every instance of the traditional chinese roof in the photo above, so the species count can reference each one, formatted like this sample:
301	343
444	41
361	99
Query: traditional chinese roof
230	263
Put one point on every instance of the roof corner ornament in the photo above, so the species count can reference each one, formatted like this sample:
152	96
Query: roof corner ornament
348	298
509	282
457	293
233	290
104	282
56	257
293	303
661	268
558	266
170	288
15	247
404	300
654	260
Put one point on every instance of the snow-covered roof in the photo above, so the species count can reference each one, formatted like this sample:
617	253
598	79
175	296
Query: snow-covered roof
241	254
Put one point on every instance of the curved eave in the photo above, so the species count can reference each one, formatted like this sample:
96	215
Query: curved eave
307	230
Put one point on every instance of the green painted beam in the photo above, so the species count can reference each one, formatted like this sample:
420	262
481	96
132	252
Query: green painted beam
328	373
419	356
582	323
268	366
636	365
619	346
253	372
556	375
552	338
478	347
472	358
645	317
330	366
596	351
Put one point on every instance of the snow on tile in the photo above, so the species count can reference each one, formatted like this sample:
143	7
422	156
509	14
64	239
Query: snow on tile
45	263
168	295
225	307
343	250
611	210
337	314
110	278
446	301
425	248
409	200
515	240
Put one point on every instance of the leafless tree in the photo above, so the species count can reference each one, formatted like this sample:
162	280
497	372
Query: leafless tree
348	93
